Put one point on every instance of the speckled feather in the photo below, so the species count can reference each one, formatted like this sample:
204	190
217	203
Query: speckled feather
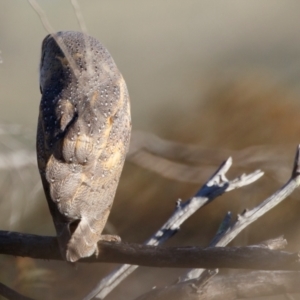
83	136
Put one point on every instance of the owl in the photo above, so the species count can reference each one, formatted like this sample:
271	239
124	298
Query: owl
83	136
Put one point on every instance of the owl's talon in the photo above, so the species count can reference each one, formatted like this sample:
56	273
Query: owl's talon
110	238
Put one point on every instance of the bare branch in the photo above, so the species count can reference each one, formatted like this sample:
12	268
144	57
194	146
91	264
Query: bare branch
215	186
202	274
243	221
41	247
249	217
237	286
191	162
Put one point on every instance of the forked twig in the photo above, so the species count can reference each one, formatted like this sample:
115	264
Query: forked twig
249	216
228	232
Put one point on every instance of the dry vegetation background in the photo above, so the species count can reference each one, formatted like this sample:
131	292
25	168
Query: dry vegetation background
223	74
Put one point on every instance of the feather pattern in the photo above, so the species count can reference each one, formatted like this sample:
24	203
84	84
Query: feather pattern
83	136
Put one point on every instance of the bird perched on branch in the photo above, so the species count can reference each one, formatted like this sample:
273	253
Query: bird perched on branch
83	136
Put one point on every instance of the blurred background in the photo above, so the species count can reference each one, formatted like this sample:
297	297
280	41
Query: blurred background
223	75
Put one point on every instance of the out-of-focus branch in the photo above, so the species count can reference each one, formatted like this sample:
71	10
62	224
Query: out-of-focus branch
42	15
79	16
192	162
17	159
108	283
237	286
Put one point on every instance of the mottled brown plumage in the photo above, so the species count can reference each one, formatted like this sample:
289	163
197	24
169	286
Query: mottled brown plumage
82	138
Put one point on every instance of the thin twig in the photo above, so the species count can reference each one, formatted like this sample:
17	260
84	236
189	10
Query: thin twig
42	15
249	216
199	273
190	162
79	16
215	186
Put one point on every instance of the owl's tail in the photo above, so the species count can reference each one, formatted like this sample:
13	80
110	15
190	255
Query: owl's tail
83	242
